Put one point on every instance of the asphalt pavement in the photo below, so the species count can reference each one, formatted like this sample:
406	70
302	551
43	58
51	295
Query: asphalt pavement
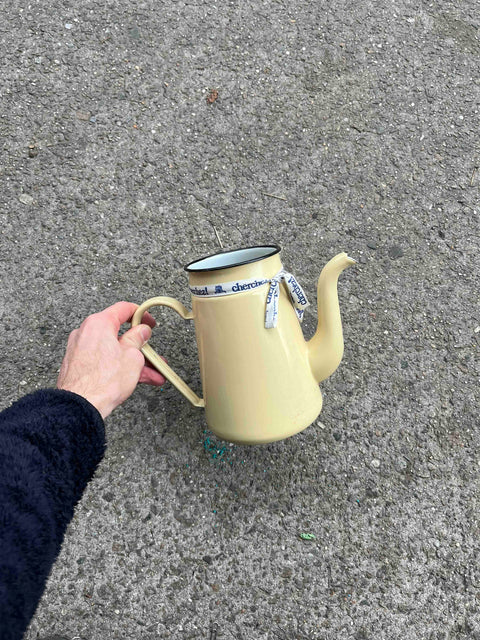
138	136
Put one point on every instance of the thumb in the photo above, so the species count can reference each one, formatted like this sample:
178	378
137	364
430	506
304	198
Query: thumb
136	336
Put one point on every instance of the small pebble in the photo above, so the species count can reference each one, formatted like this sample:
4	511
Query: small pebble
25	198
371	244
68	25
134	33
375	463
395	252
83	115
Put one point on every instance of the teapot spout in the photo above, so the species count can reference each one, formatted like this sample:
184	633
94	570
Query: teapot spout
325	349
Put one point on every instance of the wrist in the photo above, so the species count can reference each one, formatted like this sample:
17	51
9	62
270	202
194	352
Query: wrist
98	402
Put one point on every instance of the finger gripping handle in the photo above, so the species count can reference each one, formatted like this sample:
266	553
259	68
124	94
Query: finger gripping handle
152	356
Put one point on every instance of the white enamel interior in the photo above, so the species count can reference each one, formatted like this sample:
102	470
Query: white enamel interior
232	258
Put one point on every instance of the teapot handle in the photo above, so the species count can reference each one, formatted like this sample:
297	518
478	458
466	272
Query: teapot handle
152	356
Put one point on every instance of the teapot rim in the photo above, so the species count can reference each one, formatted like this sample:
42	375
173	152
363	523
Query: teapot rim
275	248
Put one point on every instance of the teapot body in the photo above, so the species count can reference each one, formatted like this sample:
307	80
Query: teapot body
259	377
257	383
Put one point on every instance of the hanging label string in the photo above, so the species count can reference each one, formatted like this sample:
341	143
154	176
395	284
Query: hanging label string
296	293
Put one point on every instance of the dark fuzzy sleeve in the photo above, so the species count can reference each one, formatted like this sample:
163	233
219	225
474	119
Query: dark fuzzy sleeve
51	442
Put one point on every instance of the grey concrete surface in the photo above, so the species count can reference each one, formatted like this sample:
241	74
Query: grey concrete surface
363	117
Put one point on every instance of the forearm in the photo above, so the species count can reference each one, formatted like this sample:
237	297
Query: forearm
50	445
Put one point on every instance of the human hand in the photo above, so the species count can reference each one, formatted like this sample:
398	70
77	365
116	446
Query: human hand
102	367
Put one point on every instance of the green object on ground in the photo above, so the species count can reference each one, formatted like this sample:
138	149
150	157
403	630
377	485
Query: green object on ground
307	536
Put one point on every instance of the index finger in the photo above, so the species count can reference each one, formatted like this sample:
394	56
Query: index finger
121	312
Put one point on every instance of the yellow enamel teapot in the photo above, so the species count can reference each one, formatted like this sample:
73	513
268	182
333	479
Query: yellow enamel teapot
259	376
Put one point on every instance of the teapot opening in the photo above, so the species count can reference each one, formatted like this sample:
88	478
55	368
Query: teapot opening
235	258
